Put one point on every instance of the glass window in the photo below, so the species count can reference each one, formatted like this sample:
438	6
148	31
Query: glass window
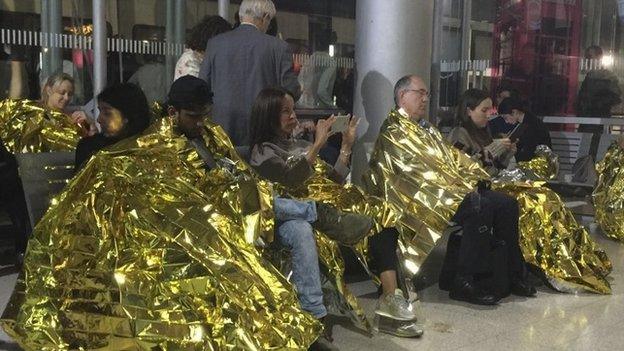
555	54
147	38
38	42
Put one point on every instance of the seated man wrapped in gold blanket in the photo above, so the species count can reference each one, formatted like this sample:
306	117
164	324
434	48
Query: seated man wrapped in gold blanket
414	167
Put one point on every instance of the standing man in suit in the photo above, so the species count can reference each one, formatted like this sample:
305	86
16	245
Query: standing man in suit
239	64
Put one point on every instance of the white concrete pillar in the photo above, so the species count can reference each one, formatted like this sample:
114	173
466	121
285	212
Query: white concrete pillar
393	38
56	27
180	21
224	9
99	46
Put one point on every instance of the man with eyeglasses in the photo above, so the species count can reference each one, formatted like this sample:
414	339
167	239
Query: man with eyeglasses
413	167
402	171
411	97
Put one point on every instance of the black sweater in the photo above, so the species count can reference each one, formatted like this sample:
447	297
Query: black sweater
535	134
88	146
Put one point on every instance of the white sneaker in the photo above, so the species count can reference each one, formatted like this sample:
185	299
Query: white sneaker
395	306
402	329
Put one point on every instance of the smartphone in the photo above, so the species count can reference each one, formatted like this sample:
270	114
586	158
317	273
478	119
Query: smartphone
517	132
340	125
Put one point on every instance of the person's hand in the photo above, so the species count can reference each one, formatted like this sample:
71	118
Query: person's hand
514	147
323	126
506	142
349	135
308	126
87	127
304	128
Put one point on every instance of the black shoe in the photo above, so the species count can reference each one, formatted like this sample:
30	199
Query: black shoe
520	287
345	228
324	342
465	290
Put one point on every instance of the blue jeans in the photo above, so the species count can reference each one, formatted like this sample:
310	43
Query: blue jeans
294	231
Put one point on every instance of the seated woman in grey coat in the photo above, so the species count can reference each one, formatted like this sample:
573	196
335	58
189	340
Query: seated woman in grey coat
281	158
473	136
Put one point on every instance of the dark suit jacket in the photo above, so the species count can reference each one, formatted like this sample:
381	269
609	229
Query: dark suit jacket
237	66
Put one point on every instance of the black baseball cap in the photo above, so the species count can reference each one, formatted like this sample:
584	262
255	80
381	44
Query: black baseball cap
189	92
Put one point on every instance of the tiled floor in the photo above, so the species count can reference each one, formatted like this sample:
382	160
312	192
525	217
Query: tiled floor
552	321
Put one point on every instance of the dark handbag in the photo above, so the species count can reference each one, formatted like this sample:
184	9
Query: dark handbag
472	249
584	170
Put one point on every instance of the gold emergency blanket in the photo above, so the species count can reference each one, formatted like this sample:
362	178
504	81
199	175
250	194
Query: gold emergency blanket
248	198
25	127
260	223
552	239
413	167
609	193
142	252
544	166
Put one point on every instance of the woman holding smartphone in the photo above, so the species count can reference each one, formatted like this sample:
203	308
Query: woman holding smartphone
473	136
272	140
533	131
496	211
280	158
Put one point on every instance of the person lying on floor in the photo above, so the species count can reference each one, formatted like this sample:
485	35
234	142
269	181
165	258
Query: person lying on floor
279	157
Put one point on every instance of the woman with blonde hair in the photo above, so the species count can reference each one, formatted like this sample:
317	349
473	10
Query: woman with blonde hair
56	94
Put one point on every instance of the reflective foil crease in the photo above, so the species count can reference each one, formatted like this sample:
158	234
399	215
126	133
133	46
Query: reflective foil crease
26	127
512	175
145	250
545	165
413	167
241	195
609	193
554	241
347	198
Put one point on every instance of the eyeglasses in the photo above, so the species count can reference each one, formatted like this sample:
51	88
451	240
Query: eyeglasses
421	92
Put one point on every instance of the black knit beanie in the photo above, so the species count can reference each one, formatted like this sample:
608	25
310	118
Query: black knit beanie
130	100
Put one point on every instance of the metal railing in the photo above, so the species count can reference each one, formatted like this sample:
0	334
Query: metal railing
82	42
